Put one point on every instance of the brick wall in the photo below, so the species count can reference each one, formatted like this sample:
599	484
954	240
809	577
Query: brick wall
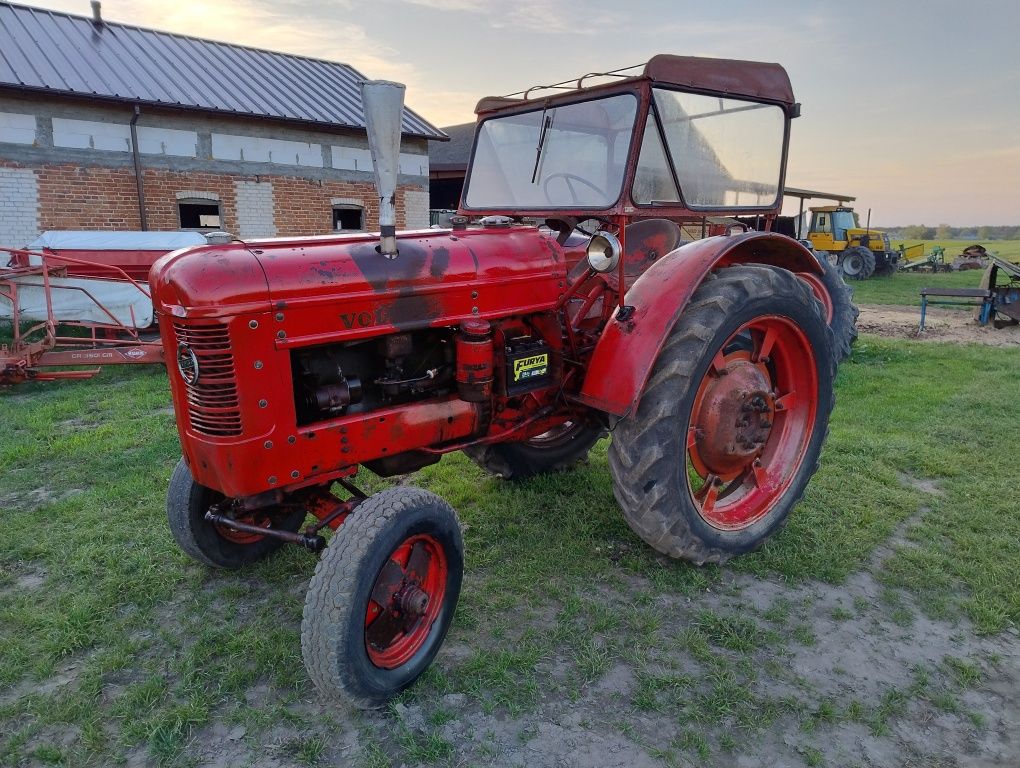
95	198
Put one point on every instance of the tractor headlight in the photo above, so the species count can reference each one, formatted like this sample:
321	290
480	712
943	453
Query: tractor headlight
604	252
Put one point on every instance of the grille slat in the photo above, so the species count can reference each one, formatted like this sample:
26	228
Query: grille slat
213	402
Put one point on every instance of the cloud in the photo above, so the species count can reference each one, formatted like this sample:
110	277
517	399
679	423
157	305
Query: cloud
544	16
451	5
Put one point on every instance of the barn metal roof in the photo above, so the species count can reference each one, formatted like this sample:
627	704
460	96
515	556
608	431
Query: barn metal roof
51	52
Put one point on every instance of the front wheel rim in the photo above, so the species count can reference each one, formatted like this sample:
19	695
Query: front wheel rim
751	422
406	599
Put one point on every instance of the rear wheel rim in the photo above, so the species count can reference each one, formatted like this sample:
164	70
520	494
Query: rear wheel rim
405	601
751	422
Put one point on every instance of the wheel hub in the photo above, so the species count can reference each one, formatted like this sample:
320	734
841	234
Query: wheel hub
411	600
734	418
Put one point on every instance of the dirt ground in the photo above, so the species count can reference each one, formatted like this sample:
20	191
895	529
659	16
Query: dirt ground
941	324
860	652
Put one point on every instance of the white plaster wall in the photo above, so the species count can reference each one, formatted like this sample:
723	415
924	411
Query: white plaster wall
89	134
416	215
414	165
167	141
19	207
353	159
16	128
255	216
116	137
260	150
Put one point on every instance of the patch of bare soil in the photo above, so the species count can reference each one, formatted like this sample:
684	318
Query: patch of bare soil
946	325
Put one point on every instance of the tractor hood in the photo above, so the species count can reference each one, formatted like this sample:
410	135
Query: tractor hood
338	286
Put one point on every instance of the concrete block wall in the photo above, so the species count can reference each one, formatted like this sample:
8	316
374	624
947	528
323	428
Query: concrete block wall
416	209
19	207
255	214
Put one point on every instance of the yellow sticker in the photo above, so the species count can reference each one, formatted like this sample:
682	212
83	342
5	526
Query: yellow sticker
530	367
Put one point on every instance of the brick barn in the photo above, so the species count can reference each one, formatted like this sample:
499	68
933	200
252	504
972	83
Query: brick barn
107	126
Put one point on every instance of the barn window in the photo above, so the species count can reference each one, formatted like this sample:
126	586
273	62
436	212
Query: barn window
197	213
348	218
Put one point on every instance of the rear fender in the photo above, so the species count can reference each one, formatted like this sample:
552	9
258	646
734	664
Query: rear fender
624	356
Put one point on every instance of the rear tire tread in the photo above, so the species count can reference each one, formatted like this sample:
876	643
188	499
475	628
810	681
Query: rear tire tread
638	458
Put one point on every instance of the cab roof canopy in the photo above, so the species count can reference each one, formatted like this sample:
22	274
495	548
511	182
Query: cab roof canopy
727	77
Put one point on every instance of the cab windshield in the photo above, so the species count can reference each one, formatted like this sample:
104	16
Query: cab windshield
570	156
727	153
841	222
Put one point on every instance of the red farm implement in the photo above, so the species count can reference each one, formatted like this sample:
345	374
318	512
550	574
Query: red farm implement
565	300
61	320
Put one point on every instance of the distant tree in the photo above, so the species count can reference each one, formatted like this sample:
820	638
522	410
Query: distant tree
944	232
984	233
918	232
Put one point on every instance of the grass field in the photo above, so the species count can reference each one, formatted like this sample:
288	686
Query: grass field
905	287
878	628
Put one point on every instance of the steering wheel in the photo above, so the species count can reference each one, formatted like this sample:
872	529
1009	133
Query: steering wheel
568	179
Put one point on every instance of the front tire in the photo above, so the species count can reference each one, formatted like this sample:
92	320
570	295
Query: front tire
732	420
219	547
382	597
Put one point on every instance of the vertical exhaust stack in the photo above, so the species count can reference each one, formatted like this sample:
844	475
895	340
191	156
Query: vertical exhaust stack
384	107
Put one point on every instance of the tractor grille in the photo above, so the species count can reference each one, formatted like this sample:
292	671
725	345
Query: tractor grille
213	405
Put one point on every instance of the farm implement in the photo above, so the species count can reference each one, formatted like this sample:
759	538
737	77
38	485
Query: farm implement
997	301
76	299
295	362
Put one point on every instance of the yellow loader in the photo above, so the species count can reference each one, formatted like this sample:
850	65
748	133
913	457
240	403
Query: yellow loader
860	251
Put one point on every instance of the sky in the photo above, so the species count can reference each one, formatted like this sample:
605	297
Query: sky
912	106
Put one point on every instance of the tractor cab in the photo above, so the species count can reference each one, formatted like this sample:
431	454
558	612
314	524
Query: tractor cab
830	224
685	139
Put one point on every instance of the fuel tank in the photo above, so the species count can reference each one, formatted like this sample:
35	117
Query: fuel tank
338	287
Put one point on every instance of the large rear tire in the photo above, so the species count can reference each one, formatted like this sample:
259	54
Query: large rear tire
556	450
213	545
382	597
732	420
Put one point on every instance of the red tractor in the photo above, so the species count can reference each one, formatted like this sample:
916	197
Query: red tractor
296	361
